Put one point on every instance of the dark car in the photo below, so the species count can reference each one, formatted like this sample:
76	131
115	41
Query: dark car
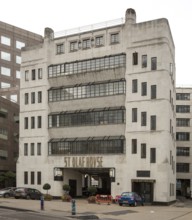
130	198
7	192
27	193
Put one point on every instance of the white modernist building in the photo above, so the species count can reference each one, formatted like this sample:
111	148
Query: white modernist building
98	104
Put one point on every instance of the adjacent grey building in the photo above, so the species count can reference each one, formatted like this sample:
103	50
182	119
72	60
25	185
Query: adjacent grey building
97	107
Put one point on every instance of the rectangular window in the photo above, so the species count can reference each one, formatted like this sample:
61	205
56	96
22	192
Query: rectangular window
25	149
86	43
74	46
183	108
153	92
182	136
39	122
26	98
5	71
144	61
153	155
143	150
135	58
33	75
26	123
153	122
183	167
18	59
182	96
114	38
39	97
99	41
134	85
32	122
19	44
153	63
143	118
40	73
38	178
27	75
38	149
134	146
32	149
182	122
25	177
143	88
5	56
134	114
32	178
183	151
60	48
18	74
32	97
6	41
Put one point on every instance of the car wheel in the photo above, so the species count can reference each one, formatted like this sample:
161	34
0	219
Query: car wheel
28	197
120	204
16	197
6	195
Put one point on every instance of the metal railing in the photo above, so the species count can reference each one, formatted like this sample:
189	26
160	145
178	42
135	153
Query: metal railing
91	27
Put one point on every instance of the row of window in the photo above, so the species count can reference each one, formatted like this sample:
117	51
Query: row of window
135	59
33	97
105	145
91	117
143	151
26	122
5	71
35	178
183	108
144	88
87	43
7	41
33	74
102	63
144	119
7	56
29	149
87	90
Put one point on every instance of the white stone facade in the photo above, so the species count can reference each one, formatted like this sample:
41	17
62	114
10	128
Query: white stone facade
149	92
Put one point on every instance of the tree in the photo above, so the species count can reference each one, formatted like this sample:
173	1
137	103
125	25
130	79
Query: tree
66	188
46	186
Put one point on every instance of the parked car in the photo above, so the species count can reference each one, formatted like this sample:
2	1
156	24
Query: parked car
7	192
130	198
27	193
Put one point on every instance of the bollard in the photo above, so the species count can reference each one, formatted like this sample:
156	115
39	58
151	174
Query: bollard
73	207
42	202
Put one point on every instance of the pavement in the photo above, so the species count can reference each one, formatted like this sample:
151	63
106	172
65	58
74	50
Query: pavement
180	210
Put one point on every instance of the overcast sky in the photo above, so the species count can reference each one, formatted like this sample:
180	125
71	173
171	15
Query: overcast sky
35	15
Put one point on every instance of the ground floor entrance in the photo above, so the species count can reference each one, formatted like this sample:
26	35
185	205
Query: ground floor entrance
145	189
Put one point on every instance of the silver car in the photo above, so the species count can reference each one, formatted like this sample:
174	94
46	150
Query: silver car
7	192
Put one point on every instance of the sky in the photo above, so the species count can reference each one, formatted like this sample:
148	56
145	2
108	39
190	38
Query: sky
35	15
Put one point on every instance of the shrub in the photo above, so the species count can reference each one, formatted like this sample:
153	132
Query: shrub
66	188
92	190
91	199
48	197
66	198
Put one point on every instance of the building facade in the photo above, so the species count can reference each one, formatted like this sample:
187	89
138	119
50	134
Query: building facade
98	105
183	138
9	135
12	39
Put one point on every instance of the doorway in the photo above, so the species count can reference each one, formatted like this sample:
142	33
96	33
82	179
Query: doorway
145	189
73	189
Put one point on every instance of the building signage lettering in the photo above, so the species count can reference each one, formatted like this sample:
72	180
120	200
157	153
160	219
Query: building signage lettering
84	162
